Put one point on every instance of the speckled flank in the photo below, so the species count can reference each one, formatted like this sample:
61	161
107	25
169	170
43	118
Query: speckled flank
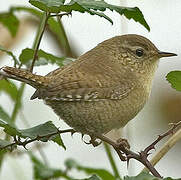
100	116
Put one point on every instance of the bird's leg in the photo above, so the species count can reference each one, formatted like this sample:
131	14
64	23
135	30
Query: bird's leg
94	142
121	146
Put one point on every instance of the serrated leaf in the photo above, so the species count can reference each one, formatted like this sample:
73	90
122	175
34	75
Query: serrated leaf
42	132
92	7
141	176
9	129
9	88
43	58
57	139
174	78
47	5
102	173
42	171
10	21
10	54
146	176
38	131
4	115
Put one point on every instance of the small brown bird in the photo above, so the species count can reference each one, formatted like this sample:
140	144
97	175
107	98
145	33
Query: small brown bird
103	89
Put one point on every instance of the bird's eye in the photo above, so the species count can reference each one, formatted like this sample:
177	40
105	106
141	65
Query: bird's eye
139	52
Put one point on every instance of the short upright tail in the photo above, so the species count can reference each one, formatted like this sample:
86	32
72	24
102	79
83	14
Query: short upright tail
25	76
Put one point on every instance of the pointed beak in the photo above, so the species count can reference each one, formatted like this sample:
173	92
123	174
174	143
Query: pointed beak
166	54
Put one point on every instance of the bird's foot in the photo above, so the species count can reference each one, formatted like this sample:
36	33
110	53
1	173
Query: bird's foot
121	142
92	141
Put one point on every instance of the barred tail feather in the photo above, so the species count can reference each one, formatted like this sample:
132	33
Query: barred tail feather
25	76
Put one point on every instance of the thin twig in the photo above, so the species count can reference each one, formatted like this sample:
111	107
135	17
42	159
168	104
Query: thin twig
160	137
166	147
122	149
18	142
38	38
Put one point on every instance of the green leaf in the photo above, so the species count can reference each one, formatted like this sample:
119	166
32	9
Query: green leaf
9	129
92	7
146	176
10	54
102	173
174	78
57	139
46	5
4	115
93	177
42	171
10	21
42	132
39	131
9	88
43	58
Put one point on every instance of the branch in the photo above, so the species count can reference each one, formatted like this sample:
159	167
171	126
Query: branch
121	147
18	142
166	147
125	154
160	137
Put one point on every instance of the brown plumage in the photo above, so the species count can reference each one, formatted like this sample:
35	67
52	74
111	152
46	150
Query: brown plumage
103	89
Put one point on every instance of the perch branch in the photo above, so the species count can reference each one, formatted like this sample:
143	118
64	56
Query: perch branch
18	142
166	147
121	147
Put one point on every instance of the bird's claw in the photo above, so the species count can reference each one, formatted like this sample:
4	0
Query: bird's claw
92	141
121	142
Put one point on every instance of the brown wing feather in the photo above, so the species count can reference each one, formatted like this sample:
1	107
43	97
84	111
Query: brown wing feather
90	78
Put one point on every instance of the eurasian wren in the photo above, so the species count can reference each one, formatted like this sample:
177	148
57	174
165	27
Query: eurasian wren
103	89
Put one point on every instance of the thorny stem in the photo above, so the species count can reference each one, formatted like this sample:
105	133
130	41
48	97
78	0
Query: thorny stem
160	137
123	150
18	142
130	155
166	147
38	147
125	154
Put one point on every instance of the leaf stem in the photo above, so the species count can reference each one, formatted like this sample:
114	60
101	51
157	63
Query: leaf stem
111	160
67	48
18	103
39	36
